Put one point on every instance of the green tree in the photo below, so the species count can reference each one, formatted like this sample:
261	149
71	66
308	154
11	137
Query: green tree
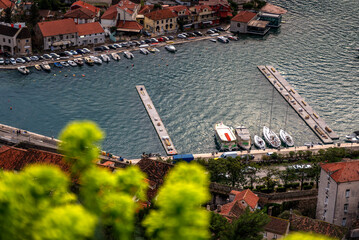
235	169
251	173
218	170
287	176
8	15
218	226
179	215
157	6
34	14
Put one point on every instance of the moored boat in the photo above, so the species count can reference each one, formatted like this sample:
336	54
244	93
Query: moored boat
105	58
144	51
89	61
128	54
286	138
170	48
243	137
57	64
115	56
37	67
225	137
23	70
212	40
153	49
271	138
65	64
259	142
79	61
46	66
96	60
72	63
222	39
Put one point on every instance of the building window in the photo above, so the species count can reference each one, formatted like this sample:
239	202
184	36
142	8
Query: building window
166	20
347	192
9	41
49	39
344	221
238	25
27	40
345	208
158	22
324	214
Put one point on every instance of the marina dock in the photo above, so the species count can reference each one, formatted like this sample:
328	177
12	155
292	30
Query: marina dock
306	112
156	120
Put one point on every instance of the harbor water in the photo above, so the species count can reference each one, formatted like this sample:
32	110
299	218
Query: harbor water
204	83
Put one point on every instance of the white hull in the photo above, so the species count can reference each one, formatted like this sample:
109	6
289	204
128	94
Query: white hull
243	137
225	137
170	48
259	142
271	138
144	51
23	70
115	56
128	54
286	138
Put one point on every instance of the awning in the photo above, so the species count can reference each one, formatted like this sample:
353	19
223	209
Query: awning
187	25
60	43
208	22
128	30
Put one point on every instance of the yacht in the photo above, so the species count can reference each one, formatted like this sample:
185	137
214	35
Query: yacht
223	39
225	137
128	54
144	51
259	142
115	56
79	61
170	48
46	66
243	137
286	138
72	63
271	138
105	58
23	70
96	60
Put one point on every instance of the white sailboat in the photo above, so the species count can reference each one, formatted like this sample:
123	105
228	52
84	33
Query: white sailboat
286	138
271	138
225	137
259	142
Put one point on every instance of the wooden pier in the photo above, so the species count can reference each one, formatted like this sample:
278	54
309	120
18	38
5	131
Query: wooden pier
156	121
306	112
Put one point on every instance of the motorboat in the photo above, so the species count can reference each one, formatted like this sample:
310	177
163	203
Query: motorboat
37	67
225	137
271	138
286	138
46	66
243	137
96	60
213	40
151	49
65	64
144	51
115	56
57	64
233	38
223	39
105	58
72	63
79	61
128	54
23	70
89	61
170	48
353	137
259	142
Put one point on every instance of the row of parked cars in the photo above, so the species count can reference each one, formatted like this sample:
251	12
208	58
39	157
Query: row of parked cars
50	56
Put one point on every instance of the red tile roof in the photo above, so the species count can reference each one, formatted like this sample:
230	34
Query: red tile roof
180	8
248	196
270	8
200	8
84	5
343	171
129	25
161	14
214	2
89	28
277	226
127	5
244	16
5	4
146	9
111	13
57	27
81	12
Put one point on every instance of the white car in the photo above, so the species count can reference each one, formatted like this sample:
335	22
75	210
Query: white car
13	61
68	53
181	36
86	50
20	60
2	61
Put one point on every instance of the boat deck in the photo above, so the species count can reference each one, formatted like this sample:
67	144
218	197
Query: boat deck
156	120
306	112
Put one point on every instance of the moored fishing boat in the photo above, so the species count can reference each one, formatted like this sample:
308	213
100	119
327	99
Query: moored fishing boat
115	56
144	51
23	70
57	64
259	142
79	61
153	49
243	137
65	64
170	48
271	138
105	58
89	61
72	63
222	39
37	67
225	137
128	54
96	60
46	66
286	138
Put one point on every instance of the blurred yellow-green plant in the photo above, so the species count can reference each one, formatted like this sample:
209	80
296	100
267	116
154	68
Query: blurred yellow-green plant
306	236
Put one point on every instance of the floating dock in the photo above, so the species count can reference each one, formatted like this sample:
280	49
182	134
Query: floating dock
306	112
156	120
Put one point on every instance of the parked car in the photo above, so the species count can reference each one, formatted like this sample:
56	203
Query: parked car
81	51
111	46
12	61
220	29
198	33
73	52
27	59
147	34
191	34
7	61
214	30
147	41
68	53
86	50
63	55
116	45
47	56
34	58
138	43
105	48
165	38
160	39
55	56
182	36
210	32
247	156
99	49
2	61
19	60
154	40
170	37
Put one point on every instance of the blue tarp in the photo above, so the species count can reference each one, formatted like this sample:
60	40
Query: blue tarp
185	157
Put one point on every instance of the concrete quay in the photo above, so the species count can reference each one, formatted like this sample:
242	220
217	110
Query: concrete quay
156	120
297	103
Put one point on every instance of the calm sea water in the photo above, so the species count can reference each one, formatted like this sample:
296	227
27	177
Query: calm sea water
204	83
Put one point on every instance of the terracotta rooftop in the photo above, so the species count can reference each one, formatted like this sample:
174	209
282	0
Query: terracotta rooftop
244	16
180	8
248	196
343	171
81	12
270	8
214	2
305	224
277	226
57	27
85	5
161	14
131	26
146	9
128	6
89	28
110	13
5	4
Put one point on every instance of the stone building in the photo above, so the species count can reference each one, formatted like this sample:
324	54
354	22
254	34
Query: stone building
276	228
338	195
90	33
15	40
247	22
161	21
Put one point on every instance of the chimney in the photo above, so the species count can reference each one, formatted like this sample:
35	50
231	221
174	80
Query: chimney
219	208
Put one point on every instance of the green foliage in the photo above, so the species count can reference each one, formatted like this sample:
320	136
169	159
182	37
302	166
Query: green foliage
179	215
8	15
218	226
157	6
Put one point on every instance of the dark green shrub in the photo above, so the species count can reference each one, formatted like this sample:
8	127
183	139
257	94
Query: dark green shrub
307	187
281	189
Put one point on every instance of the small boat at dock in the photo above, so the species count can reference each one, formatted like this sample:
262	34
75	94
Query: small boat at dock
271	138
65	64
286	138
153	49
128	54
353	137
144	51
170	48
57	64
223	39
259	142
23	70
79	61
115	56
89	61
243	137
46	66
212	40
37	67
96	60
225	137
72	63
105	58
